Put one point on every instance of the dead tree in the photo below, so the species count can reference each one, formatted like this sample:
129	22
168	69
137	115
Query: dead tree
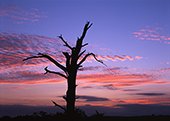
74	60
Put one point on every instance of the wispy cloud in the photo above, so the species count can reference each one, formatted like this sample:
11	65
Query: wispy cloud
115	70
20	15
91	68
114	58
119	58
27	77
110	87
150	94
107	81
153	34
92	98
165	70
131	90
142	100
15	47
120	80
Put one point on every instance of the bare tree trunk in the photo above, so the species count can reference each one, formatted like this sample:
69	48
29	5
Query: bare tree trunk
71	95
71	90
70	69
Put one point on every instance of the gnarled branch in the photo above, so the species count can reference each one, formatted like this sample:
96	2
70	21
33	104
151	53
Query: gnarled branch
40	55
86	27
58	105
87	55
65	42
85	45
81	53
58	73
80	40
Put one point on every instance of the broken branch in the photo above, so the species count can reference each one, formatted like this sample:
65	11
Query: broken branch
58	73
81	53
86	27
65	42
84	45
58	105
87	55
40	55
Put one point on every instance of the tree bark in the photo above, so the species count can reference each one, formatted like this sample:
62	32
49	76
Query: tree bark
71	95
71	81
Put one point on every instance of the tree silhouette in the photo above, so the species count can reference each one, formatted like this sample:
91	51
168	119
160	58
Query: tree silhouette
74	60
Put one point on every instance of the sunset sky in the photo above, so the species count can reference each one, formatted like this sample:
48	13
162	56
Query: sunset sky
132	37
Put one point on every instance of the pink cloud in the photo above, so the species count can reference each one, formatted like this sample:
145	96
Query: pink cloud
152	100
15	47
19	15
118	58
115	58
165	70
120	80
153	34
28	77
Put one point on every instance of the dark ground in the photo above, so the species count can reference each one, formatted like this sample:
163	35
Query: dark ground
43	116
144	118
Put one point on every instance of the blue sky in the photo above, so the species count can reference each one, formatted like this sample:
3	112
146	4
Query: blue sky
132	37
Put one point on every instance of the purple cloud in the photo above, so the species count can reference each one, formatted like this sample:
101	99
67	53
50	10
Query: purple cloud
15	47
19	15
91	68
150	94
131	90
87	87
110	87
27	77
92	98
164	69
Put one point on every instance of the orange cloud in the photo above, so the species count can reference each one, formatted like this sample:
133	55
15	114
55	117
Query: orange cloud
139	101
120	80
114	81
155	100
